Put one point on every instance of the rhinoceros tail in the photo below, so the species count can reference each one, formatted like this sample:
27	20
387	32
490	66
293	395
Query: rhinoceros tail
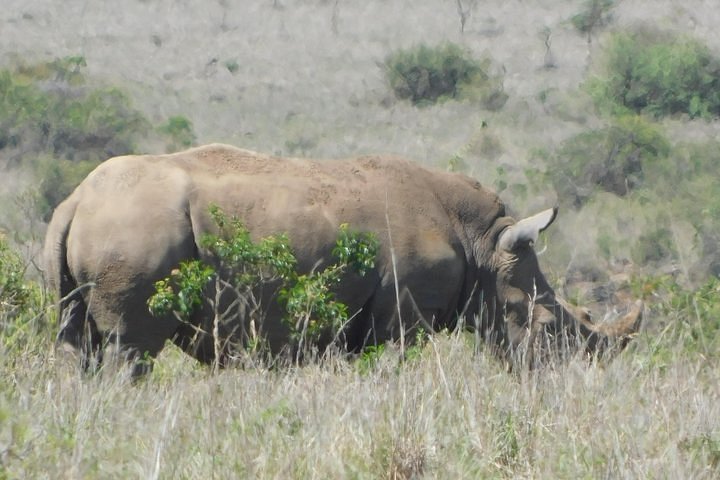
57	272
77	328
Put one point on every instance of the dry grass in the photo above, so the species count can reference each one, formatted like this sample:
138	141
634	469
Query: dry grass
449	413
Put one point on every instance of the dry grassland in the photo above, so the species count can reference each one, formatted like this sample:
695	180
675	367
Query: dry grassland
308	82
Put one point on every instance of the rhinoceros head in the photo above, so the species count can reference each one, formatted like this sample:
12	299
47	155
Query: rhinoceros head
528	313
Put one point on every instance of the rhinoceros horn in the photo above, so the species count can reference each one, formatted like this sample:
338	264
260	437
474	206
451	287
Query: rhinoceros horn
621	329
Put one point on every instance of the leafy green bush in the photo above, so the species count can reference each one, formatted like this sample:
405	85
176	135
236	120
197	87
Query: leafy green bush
67	69
614	159
670	219
179	131
647	71
426	75
20	302
28	98
689	188
47	109
694	315
368	361
52	121
655	246
595	13
243	266
14	294
58	178
232	66
99	125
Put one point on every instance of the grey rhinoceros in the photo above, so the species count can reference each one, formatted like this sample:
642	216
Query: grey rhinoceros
448	250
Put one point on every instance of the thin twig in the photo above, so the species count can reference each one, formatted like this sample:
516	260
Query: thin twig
395	278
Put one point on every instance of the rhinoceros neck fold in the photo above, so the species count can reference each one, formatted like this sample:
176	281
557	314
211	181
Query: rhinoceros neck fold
474	210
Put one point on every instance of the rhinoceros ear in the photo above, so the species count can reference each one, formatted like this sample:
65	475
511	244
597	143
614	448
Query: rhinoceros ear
526	231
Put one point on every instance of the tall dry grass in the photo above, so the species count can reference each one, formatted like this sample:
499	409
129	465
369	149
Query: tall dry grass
447	413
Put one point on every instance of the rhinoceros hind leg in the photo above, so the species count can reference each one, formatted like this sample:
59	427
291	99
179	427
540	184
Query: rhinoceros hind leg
78	334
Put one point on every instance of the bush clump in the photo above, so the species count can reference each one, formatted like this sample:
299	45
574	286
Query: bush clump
696	311
179	132
425	75
595	13
14	294
21	302
659	74
57	179
52	121
242	267
688	186
615	159
655	246
47	108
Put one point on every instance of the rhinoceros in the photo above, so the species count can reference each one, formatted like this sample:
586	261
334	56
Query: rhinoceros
448	250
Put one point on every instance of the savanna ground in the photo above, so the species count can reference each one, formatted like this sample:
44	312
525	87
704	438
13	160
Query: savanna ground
636	183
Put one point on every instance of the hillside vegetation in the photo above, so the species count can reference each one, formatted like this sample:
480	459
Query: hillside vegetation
609	109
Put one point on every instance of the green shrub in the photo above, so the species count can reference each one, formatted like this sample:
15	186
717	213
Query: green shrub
21	302
311	311
694	315
595	13
52	121
688	185
655	246
646	71
14	294
96	126
20	104
67	69
613	159
426	75
28	101
45	108
368	361
179	131
58	178
232	66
